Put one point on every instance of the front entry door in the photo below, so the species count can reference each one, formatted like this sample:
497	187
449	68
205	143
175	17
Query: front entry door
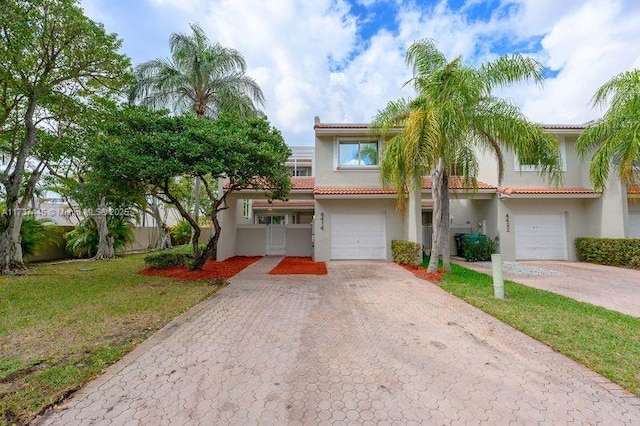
276	239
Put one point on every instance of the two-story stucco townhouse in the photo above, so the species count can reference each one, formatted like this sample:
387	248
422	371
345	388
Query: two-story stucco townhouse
338	208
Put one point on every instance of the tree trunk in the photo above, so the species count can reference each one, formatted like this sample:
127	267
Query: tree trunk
436	240
211	250
10	248
196	210
163	240
105	239
171	199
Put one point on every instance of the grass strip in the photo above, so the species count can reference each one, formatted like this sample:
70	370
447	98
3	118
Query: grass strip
605	341
62	324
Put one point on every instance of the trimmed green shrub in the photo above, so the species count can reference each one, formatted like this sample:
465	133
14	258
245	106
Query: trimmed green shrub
406	252
477	247
609	251
180	256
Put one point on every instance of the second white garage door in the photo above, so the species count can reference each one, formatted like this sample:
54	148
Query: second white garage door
358	236
540	237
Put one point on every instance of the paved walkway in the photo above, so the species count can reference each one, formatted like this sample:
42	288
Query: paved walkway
613	288
369	343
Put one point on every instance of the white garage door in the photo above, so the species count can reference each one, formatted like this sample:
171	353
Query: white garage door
634	224
540	237
358	236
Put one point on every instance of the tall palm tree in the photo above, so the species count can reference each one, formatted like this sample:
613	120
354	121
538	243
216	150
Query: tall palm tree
453	116
616	137
200	76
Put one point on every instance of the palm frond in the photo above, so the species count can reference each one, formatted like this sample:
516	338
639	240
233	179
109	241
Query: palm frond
509	69
615	139
200	76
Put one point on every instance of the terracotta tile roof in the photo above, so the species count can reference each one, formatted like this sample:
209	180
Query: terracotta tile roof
544	190
297	183
283	204
456	182
303	182
427	203
352	191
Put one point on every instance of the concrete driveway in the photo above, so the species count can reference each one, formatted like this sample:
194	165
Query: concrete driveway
369	343
614	288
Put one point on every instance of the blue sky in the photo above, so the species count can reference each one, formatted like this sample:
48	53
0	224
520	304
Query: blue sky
343	60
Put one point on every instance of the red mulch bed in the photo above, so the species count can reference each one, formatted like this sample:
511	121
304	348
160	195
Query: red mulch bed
421	272
211	269
299	265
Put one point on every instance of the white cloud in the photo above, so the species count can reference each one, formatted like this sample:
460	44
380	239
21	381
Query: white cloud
589	46
309	60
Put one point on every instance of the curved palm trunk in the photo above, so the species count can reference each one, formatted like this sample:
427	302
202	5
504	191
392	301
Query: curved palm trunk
105	240
440	237
446	240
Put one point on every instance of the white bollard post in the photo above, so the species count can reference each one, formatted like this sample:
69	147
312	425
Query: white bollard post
498	282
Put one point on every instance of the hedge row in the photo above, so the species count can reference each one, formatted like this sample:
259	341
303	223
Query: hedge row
170	258
406	252
609	251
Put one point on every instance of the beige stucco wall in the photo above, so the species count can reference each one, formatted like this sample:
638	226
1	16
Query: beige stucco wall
575	219
240	219
573	176
488	170
298	242
227	241
614	210
251	240
395	228
326	173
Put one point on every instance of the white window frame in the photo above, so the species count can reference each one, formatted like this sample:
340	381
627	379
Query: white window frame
336	153
246	208
531	168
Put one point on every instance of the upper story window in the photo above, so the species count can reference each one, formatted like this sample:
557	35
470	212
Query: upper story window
300	171
355	153
524	165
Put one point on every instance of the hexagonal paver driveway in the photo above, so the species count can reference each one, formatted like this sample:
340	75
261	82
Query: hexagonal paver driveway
368	343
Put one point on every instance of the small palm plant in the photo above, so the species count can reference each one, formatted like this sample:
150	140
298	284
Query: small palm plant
38	234
82	242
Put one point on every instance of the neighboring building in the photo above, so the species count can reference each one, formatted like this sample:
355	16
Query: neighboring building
338	208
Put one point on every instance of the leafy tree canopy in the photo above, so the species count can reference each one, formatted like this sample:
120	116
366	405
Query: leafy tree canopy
143	148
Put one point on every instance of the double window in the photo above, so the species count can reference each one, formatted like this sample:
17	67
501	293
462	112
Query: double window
530	165
356	153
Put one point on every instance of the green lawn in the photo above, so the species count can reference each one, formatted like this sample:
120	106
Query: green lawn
608	342
62	324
